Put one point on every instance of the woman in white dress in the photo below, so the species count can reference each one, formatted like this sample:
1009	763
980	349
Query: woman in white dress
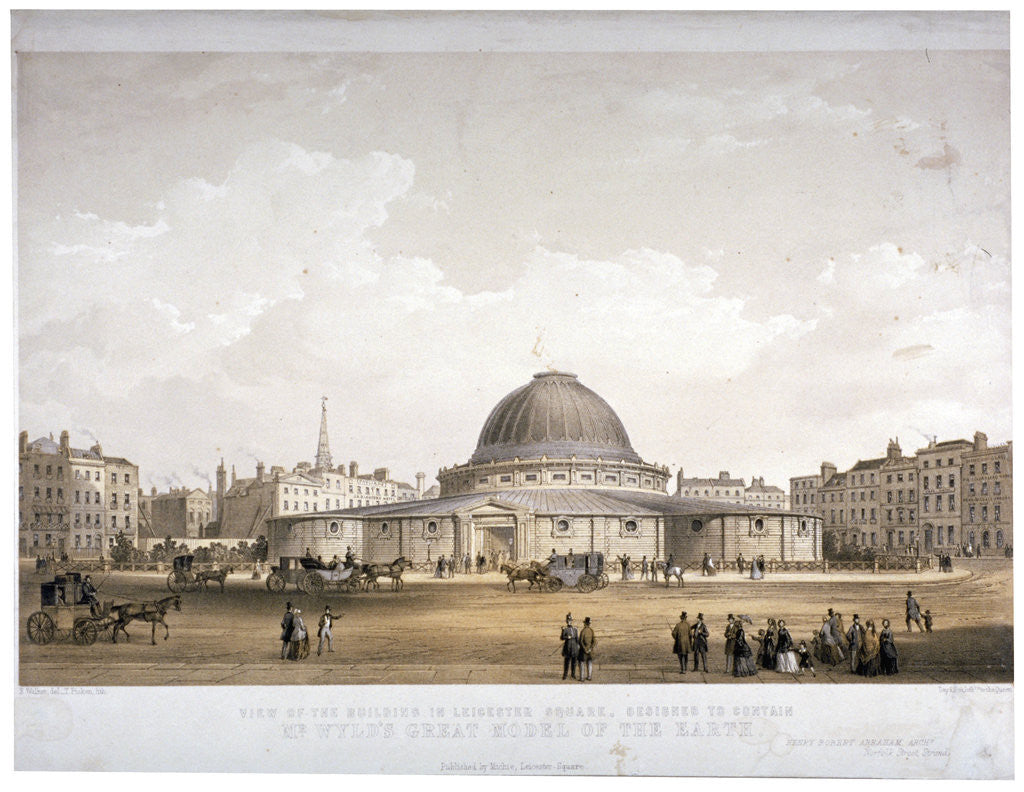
755	571
786	661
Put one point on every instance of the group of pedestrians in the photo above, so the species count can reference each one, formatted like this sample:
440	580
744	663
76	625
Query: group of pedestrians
868	651
295	638
578	650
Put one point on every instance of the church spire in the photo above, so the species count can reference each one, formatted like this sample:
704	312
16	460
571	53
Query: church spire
323	449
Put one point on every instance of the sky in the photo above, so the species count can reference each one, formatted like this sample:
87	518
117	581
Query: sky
761	260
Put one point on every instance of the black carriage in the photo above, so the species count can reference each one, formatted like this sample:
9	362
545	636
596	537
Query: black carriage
585	572
289	570
66	611
181	577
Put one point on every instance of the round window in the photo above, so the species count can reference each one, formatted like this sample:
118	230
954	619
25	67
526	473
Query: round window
696	526
562	526
385	529
802	530
631	527
432	528
334	528
758	525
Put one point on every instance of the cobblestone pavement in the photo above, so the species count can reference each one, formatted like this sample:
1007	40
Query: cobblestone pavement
471	630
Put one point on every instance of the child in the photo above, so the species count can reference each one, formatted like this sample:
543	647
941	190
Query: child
805	658
927	621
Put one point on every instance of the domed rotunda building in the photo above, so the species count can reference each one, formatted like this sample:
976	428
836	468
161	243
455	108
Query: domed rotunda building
553	468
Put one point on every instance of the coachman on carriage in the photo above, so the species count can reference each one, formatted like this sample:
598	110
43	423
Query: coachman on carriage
69	610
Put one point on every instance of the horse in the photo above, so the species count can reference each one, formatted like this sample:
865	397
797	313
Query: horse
393	570
674	571
529	572
218	576
151	612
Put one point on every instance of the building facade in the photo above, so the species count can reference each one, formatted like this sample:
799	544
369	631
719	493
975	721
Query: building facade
73	500
724	489
950	496
573	482
244	505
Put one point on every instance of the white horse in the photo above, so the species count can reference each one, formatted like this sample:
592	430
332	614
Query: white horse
674	571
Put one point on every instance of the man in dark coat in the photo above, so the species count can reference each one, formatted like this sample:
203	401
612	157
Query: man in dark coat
739	563
681	642
730	643
286	629
570	647
699	631
854	638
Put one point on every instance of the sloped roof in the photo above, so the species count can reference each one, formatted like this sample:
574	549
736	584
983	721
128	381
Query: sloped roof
868	464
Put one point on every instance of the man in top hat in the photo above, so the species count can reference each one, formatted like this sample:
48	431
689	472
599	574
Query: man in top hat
854	638
570	647
587	643
913	612
681	642
90	598
287	623
324	631
700	633
730	642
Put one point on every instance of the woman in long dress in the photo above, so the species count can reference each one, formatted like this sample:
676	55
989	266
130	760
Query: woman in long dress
887	655
786	659
755	571
867	654
771	643
298	649
830	652
743	657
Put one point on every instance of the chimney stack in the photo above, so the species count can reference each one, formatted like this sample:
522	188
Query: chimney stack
22	442
353	469
420	478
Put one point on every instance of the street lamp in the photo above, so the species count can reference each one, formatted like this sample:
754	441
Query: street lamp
428	549
510	548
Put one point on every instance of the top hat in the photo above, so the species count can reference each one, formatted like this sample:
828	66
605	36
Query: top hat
568	617
586	620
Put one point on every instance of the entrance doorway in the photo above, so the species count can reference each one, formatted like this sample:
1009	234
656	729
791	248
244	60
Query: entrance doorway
494	536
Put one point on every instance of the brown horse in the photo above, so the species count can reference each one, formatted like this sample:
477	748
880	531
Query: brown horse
393	570
529	573
151	612
218	576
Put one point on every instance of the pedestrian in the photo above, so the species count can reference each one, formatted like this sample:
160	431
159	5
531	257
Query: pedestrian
867	654
913	612
587	643
805	660
854	636
257	570
771	642
287	625
699	642
743	658
730	642
835	628
467	564
887	654
927	621
830	652
681	642
570	647
350	559
298	648
786	660
740	563
704	564
324	632
439	567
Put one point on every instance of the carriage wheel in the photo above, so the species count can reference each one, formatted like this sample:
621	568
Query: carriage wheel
84	632
352	585
553	584
176	581
40	628
604	579
275	582
587	583
313	584
191	584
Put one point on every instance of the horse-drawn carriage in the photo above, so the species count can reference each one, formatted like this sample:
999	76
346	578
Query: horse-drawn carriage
319	576
181	577
67	611
585	572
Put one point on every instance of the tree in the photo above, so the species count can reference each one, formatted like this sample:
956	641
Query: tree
259	549
123	550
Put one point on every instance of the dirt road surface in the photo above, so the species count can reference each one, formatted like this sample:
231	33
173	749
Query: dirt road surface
471	629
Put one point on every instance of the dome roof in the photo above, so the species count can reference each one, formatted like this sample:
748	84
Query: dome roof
553	415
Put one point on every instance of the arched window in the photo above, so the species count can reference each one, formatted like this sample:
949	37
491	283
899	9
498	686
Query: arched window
385	529
985	539
999	538
432	528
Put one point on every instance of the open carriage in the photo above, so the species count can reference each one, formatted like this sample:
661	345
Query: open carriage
181	577
319	576
67	612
